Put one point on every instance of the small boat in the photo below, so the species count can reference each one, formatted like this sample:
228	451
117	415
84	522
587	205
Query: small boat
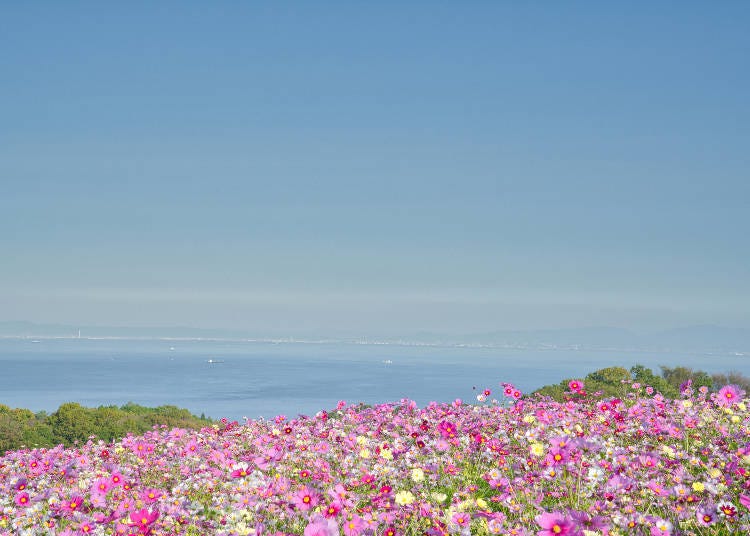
387	362
215	361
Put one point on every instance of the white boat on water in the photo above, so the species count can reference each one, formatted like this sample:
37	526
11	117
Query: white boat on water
215	361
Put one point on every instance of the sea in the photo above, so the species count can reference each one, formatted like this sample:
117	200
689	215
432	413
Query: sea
262	379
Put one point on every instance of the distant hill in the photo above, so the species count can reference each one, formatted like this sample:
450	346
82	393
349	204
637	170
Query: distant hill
689	338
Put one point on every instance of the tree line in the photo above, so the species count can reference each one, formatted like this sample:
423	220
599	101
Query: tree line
75	423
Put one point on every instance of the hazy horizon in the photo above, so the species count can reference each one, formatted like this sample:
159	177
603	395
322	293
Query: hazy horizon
375	168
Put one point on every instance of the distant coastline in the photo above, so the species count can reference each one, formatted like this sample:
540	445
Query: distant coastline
399	343
704	339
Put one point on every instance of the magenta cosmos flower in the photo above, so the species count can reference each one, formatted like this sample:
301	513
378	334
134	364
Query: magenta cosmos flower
143	518
575	385
74	504
22	499
729	395
556	524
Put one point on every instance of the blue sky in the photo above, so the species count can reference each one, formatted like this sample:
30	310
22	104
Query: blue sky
389	168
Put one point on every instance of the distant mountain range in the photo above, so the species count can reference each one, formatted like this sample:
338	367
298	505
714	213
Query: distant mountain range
690	338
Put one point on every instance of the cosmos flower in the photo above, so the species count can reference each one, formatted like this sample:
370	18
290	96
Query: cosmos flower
143	518
556	524
306	499
320	526
575	385
729	395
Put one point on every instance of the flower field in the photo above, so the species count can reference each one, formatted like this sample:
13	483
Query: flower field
639	464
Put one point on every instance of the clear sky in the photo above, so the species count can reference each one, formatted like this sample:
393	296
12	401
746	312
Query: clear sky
381	167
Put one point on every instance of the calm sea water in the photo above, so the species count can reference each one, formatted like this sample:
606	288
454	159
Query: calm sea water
254	379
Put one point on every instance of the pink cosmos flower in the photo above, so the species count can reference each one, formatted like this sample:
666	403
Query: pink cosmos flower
556	456
705	517
101	486
745	500
333	509
73	504
354	526
442	445
575	385
447	429
305	499
191	447
240	472
340	495
21	499
556	524
461	519
150	495
143	519
661	527
320	526
729	395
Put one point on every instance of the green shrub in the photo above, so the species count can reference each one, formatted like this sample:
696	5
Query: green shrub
75	423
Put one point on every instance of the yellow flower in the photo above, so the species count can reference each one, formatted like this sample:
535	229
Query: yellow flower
698	486
404	497
387	454
364	453
687	403
714	472
529	419
361	440
481	503
417	475
537	449
242	529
